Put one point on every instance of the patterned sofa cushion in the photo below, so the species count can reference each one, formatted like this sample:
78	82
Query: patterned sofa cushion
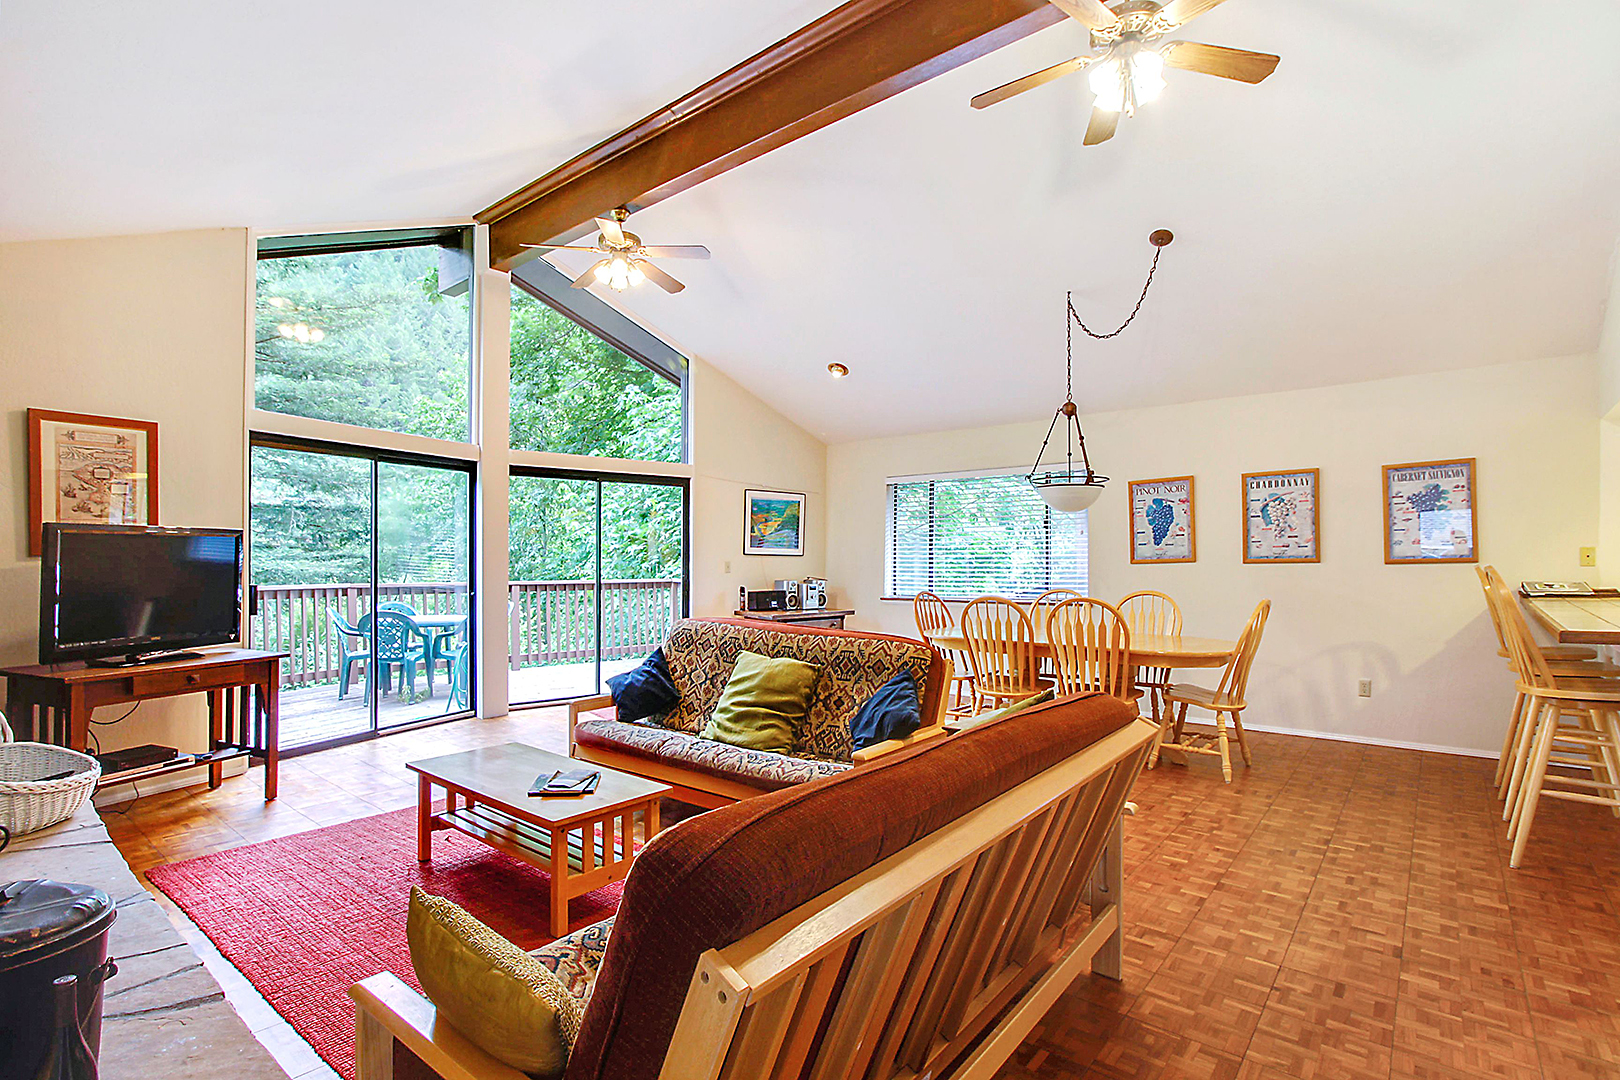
576	958
759	769
702	652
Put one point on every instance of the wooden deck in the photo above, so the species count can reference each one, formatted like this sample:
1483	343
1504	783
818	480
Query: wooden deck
314	714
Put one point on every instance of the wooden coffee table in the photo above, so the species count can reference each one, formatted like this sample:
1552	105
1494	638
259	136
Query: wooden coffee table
584	843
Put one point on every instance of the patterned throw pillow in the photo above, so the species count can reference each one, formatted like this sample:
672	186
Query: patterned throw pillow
498	996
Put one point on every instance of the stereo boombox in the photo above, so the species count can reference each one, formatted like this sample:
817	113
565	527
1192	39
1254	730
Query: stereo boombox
809	595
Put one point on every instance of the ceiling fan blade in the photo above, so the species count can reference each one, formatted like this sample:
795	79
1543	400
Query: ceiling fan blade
588	276
1102	127
659	278
1239	64
1029	82
562	247
1090	13
677	251
611	230
1181	12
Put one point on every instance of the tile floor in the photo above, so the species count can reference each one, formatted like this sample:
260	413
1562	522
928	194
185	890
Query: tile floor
1338	911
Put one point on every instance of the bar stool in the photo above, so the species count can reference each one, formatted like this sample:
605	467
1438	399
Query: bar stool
1572	661
1581	715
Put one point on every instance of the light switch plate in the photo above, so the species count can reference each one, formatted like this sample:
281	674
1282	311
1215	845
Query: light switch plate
1589	556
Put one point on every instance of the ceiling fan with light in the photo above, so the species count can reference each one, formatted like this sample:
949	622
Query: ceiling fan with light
624	258
1127	70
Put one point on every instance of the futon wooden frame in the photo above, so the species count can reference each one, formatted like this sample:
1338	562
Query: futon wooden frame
936	962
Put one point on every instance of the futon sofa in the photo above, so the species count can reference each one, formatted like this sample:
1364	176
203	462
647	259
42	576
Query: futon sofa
701	653
915	916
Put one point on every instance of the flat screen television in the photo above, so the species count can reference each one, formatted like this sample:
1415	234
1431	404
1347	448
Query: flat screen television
132	591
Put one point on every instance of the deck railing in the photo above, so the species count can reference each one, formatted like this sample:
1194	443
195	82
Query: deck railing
548	621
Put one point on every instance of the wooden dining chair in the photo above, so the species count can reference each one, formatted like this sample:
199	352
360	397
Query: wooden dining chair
1148	612
933	615
1568	661
1091	648
1226	699
1053	597
1568	722
1001	650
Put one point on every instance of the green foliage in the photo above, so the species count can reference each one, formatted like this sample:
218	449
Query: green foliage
394	354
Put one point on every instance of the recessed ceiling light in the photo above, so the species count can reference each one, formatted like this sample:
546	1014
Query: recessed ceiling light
837	370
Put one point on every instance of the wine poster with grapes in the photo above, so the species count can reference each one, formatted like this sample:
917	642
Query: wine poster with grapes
1430	513
1162	520
1280	517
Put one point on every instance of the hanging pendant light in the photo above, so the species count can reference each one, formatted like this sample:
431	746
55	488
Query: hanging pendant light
1070	490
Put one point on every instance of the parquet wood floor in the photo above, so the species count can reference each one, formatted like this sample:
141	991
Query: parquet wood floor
1337	912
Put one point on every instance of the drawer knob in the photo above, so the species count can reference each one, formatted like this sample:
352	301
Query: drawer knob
191	678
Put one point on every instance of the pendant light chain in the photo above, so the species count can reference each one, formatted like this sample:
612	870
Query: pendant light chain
1157	251
1070	491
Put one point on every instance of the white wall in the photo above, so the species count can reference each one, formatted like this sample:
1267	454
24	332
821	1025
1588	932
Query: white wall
146	327
1419	632
739	442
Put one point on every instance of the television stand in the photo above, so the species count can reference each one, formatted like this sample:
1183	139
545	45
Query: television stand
142	659
52	703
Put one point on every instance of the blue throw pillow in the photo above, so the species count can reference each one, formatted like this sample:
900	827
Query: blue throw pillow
894	712
646	691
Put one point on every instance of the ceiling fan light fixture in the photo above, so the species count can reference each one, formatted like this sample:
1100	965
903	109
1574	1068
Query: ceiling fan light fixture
1147	75
1108	84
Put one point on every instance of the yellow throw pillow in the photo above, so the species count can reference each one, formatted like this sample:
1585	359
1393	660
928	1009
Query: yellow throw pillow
764	703
1017	707
504	1000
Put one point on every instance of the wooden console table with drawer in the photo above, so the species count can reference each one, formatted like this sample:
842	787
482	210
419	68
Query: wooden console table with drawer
832	618
53	703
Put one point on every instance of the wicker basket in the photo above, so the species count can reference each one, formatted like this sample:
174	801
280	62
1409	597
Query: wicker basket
27	803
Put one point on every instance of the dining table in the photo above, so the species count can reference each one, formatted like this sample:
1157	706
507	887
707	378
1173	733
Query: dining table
1147	650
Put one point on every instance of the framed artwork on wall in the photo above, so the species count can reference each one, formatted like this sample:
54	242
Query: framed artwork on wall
1281	517
90	470
1162	515
773	522
1430	513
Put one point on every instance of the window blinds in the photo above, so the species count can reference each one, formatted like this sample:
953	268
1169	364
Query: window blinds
967	536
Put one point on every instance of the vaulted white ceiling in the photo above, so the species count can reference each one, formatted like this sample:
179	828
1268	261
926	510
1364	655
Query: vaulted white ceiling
1419	186
126	117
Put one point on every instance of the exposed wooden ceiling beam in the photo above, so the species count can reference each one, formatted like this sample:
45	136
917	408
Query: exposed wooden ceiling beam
853	57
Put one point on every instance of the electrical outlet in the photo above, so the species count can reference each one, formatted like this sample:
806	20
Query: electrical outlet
1589	556
1364	688
728	566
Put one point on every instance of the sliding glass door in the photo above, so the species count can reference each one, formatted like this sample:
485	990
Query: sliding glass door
360	564
598	575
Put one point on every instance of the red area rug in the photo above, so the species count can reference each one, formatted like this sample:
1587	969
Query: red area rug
305	917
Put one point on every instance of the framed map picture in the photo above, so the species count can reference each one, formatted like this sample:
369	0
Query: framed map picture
1280	517
91	470
1162	520
1429	512
773	523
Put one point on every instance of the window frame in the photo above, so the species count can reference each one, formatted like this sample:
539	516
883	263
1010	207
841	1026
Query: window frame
545	283
601	477
892	593
293	243
375	457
